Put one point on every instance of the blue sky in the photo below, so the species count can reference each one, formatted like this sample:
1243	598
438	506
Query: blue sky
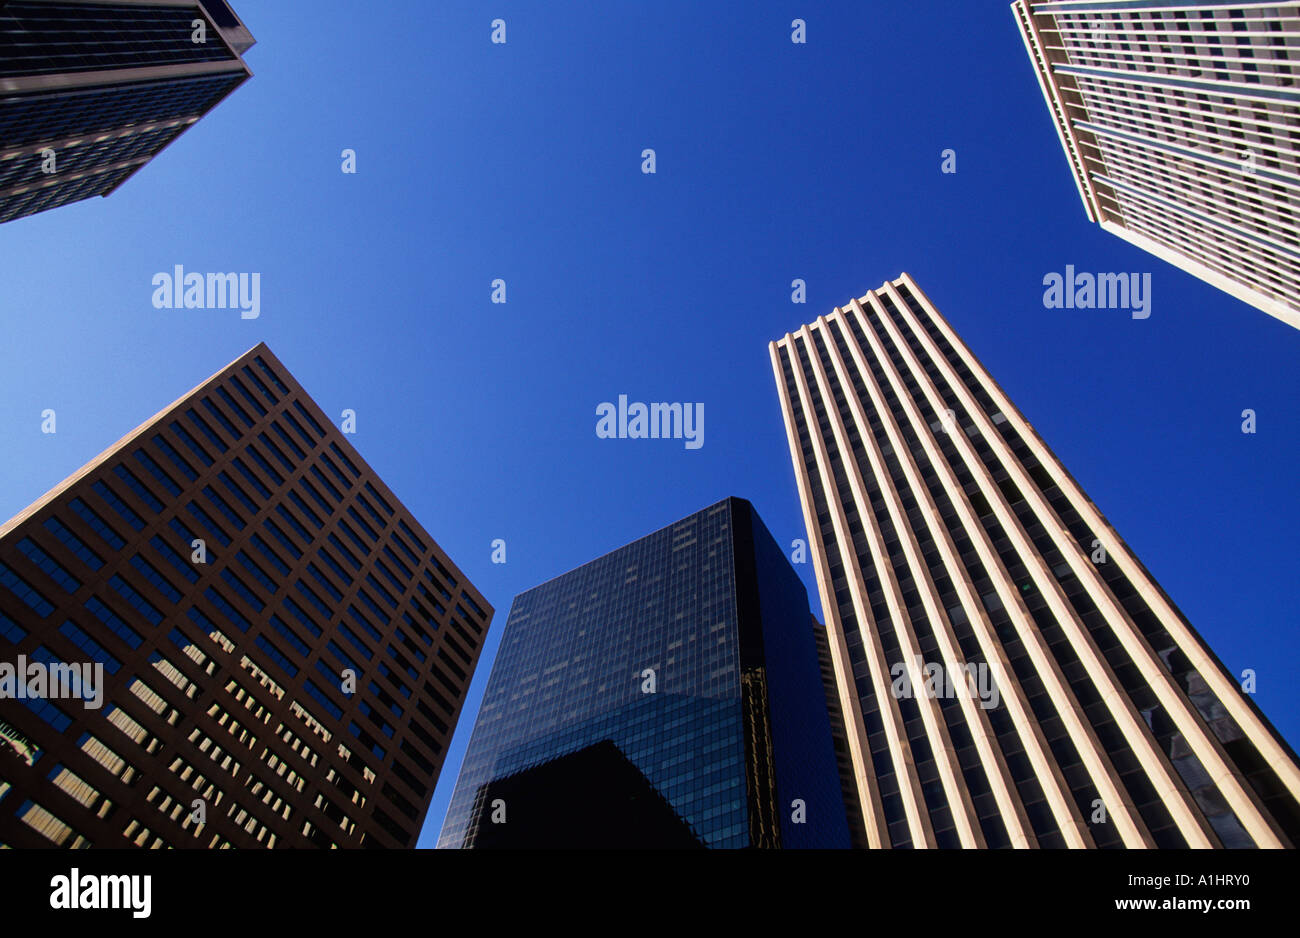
775	161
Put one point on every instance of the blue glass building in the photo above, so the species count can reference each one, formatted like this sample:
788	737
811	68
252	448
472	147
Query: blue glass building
667	694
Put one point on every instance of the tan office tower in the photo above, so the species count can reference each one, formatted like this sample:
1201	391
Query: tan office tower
270	650
1009	673
1181	124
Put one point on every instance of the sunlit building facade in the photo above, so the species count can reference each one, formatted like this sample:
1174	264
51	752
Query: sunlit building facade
1009	673
1181	124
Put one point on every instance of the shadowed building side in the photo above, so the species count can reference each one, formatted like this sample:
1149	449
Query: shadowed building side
592	799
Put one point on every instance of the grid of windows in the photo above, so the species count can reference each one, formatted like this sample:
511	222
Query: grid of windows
174	557
138	487
260	601
51	567
114	622
133	597
11	630
90	646
29	201
97	524
76	545
157	472
117	504
28	118
577	652
41	38
25	591
1179	123
155	577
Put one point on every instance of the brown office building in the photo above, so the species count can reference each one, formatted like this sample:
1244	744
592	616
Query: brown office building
1008	673
92	90
272	651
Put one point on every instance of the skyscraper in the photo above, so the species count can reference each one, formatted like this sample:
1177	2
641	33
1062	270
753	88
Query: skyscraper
282	650
665	695
839	737
1008	671
1181	125
91	91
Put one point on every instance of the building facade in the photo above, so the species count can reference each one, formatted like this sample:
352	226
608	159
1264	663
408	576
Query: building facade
92	91
1181	124
1008	672
665	695
839	738
277	650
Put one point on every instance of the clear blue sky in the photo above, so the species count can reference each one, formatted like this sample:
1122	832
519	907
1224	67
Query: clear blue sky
775	161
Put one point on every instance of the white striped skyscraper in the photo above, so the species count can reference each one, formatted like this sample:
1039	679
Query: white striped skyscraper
1008	671
1180	120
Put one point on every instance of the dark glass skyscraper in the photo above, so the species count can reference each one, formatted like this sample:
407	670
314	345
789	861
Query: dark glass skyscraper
666	694
92	91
